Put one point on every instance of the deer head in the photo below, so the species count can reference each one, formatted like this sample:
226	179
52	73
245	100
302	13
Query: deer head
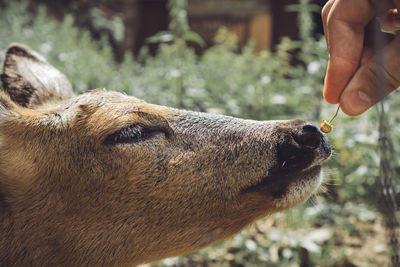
107	179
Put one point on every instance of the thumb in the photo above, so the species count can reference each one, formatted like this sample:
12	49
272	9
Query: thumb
374	79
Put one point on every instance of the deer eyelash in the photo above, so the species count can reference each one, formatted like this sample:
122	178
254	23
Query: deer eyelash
131	134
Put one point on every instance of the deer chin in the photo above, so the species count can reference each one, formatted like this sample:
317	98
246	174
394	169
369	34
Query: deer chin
298	187
288	189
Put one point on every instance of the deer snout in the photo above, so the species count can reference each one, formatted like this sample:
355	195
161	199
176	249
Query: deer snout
307	147
301	147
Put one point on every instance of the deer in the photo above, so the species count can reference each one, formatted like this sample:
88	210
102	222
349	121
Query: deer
106	179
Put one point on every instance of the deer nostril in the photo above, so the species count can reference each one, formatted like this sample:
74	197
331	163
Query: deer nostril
309	136
310	128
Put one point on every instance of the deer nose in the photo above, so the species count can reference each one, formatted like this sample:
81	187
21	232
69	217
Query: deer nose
309	137
306	145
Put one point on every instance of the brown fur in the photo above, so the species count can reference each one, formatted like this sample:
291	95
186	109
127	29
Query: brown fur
70	195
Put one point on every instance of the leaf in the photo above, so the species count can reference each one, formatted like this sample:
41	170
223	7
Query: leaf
191	36
161	37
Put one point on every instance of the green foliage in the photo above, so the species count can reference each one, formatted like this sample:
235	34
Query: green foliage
244	84
178	28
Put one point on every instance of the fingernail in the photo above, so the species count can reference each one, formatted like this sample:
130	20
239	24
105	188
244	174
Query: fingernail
357	102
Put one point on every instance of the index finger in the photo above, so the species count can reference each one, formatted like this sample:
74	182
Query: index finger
345	25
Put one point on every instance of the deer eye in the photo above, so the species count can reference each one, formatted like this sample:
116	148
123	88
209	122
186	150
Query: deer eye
131	134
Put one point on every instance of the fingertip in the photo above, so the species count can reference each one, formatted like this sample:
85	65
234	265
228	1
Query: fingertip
338	73
329	97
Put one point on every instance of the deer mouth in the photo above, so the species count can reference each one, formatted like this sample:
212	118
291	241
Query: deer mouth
279	182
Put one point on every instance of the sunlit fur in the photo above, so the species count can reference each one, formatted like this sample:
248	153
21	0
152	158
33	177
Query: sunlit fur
67	198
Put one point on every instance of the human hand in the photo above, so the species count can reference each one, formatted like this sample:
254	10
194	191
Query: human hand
358	76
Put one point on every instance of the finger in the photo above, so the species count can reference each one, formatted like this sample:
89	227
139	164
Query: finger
373	81
391	21
374	38
382	6
345	26
324	15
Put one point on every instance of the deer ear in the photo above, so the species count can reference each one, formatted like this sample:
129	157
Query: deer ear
7	106
30	80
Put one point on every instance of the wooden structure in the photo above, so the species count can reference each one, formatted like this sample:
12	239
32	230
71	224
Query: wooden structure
263	21
251	19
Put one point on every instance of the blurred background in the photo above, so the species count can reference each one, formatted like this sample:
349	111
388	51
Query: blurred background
255	59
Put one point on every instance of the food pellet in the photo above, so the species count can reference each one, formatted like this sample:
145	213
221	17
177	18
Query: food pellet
326	126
